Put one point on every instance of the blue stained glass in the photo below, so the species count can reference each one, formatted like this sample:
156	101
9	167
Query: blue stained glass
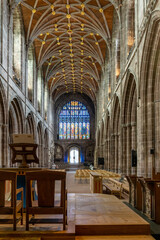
74	121
68	130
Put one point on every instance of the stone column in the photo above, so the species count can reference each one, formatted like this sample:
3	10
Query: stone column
128	144
105	151
119	154
116	153
108	155
3	147
95	157
112	153
133	145
124	158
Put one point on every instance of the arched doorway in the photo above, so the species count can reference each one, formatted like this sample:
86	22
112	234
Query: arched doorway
74	155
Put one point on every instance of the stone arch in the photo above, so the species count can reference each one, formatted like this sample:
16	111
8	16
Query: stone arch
3	129
129	124
77	146
16	120
16	115
115	136
150	101
46	148
30	125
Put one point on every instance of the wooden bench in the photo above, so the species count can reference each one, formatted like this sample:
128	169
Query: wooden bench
113	187
125	188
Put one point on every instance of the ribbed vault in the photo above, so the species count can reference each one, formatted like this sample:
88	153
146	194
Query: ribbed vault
71	39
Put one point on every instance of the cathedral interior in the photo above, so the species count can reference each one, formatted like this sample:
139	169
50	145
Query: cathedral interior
81	79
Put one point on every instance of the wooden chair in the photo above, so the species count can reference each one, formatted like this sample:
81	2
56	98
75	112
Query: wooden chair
13	206
46	203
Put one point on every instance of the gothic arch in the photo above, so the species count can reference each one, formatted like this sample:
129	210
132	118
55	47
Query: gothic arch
150	101
72	145
16	120
129	123
115	136
16	115
30	125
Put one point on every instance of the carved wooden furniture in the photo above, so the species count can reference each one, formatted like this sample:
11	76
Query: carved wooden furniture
154	186
46	203
14	206
95	182
24	149
135	191
130	189
113	187
132	185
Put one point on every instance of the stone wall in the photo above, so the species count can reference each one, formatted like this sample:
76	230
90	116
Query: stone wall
82	144
17	113
130	117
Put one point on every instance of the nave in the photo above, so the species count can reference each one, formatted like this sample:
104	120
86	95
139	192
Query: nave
79	91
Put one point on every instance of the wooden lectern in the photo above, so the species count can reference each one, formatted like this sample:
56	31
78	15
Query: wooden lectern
95	182
24	150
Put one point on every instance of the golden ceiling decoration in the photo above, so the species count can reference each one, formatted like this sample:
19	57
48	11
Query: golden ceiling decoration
70	37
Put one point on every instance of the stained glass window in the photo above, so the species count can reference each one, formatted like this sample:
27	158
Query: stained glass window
30	73
17	43
74	121
39	90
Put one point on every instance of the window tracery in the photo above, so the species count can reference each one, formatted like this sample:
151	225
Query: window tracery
74	121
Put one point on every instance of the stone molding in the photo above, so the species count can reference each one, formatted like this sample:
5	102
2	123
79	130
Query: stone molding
143	27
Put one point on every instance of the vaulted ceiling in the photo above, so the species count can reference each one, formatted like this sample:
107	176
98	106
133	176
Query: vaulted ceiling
71	38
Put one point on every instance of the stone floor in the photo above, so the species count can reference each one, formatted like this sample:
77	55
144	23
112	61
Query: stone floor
77	185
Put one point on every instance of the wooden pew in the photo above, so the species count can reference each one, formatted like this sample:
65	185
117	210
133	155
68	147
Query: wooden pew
113	187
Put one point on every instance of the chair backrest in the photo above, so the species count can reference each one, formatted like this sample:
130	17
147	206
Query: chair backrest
23	138
4	176
46	187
